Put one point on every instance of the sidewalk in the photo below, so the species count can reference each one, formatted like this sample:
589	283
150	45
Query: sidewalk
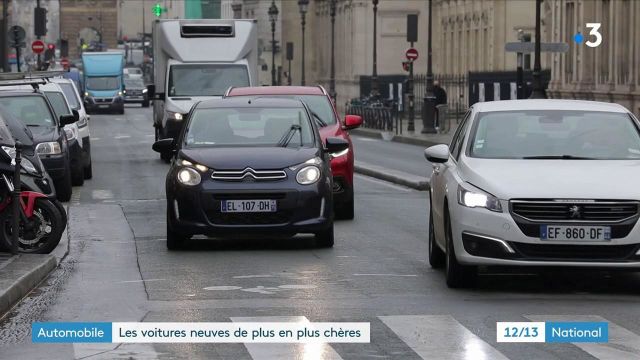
411	137
21	273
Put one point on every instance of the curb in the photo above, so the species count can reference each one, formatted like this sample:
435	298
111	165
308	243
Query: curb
32	269
392	176
396	138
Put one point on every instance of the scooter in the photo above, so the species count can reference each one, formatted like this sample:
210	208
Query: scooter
41	222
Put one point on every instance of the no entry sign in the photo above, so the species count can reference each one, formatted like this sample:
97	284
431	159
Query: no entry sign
411	54
37	46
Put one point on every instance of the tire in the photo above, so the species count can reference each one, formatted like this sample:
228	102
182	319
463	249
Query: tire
457	275
436	255
50	228
175	240
145	104
64	189
88	170
121	111
346	211
325	238
77	174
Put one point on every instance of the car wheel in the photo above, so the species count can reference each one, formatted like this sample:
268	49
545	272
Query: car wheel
64	189
325	237
346	210
145	104
175	240
436	255
88	171
77	174
121	111
458	276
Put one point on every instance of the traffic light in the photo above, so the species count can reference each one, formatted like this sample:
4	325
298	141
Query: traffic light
157	9
51	47
50	53
40	21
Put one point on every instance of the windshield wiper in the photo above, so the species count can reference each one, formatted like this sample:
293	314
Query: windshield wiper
286	138
318	118
559	157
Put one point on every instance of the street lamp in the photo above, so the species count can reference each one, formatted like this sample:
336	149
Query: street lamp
429	102
332	80
375	92
273	17
537	91
304	6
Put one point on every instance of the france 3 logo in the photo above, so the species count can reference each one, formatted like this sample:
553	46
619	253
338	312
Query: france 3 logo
594	35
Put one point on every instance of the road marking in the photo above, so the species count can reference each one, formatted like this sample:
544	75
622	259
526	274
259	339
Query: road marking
143	280
252	276
95	139
102	194
150	135
222	288
623	344
384	183
287	351
440	337
401	275
122	136
359	138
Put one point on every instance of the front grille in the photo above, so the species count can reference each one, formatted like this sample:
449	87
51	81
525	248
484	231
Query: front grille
249	196
103	100
267	218
576	252
578	211
240	175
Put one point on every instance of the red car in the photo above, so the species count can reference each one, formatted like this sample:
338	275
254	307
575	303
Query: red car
323	109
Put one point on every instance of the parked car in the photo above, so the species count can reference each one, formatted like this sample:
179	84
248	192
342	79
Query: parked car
72	94
132	73
135	92
536	183
324	113
61	106
34	109
249	167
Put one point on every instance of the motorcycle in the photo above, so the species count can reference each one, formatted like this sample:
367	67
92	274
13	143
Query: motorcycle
41	219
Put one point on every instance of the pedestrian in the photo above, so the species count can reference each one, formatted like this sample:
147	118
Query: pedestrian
441	99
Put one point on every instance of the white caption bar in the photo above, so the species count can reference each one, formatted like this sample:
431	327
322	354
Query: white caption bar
240	332
522	332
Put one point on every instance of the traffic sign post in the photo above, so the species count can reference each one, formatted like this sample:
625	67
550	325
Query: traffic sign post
524	47
37	46
411	54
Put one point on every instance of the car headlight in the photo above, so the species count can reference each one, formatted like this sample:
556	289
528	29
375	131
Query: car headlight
119	93
25	163
70	133
144	91
189	176
82	122
201	168
308	175
86	94
174	115
49	148
477	198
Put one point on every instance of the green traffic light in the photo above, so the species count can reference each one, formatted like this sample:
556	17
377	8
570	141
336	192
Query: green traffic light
157	9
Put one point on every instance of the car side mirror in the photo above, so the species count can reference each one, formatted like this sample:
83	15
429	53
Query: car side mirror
164	146
334	145
76	114
437	153
67	119
352	121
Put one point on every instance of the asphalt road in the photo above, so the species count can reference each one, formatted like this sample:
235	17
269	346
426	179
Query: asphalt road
392	155
119	269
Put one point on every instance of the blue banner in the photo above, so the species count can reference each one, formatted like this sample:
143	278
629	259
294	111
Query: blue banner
71	332
573	332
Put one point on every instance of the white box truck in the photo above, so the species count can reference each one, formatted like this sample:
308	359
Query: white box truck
195	60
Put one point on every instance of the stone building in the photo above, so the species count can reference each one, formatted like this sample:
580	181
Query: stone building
468	35
608	72
88	20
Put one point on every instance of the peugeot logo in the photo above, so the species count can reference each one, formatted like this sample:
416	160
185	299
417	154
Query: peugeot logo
574	212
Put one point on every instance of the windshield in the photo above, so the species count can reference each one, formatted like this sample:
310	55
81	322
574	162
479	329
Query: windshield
205	79
17	129
134	71
58	102
249	127
103	83
555	134
318	104
5	134
134	83
31	110
70	93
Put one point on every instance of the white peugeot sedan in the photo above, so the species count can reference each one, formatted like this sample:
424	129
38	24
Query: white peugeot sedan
536	183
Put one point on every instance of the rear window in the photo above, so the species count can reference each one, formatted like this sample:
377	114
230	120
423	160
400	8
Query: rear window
70	93
30	109
58	102
318	104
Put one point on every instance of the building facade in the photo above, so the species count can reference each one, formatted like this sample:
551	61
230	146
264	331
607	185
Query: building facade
608	72
88	21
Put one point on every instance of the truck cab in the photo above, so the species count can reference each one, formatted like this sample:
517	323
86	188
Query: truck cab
197	60
103	81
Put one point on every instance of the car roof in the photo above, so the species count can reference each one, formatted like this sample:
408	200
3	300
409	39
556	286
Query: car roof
253	102
276	90
548	104
14	91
